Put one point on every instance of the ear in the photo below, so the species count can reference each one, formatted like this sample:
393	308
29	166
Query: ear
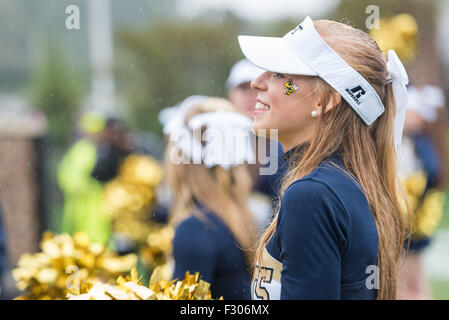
334	100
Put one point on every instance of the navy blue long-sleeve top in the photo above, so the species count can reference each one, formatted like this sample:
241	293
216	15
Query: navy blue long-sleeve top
427	152
210	248
325	245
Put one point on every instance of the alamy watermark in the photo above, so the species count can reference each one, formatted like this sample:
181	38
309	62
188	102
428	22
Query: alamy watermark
226	147
373	20
72	22
372	281
73	280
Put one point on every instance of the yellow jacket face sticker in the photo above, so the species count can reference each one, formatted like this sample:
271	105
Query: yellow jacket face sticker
290	87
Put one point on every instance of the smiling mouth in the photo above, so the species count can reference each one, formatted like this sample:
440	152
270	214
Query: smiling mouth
261	107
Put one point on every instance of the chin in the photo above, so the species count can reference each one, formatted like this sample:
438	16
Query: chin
258	126
264	129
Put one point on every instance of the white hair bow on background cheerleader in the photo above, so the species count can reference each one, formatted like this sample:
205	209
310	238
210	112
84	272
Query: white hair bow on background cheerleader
225	140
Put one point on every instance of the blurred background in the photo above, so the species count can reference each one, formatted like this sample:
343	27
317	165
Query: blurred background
128	60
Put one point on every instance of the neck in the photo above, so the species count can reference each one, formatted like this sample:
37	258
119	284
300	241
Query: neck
289	142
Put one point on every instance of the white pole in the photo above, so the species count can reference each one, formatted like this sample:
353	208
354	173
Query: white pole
101	51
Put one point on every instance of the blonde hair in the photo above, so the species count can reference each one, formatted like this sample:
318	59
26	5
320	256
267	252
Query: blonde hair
224	192
367	152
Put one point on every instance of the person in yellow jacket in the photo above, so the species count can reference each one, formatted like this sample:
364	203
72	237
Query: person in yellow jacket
83	194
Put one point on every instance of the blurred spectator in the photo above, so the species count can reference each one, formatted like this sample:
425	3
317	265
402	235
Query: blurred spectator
239	87
83	194
243	97
114	144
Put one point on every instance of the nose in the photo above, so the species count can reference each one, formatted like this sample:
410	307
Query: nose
260	83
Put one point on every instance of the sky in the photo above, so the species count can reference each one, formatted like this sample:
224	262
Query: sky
258	9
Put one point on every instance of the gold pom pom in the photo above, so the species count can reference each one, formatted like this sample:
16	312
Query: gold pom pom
64	264
129	200
399	33
130	288
130	197
426	209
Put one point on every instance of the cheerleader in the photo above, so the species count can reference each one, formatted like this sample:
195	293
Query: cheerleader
420	171
338	106
210	185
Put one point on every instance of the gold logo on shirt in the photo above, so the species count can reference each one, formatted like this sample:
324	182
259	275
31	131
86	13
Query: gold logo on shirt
271	270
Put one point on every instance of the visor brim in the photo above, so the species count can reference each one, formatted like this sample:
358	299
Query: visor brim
273	54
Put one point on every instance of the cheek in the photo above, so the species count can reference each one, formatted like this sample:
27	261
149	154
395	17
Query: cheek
285	105
280	114
291	111
287	112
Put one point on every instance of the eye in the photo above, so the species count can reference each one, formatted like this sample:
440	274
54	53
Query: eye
278	75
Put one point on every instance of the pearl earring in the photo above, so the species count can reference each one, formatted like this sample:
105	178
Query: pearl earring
314	114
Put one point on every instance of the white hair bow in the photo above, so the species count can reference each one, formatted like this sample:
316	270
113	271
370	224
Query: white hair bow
172	118
398	75
228	137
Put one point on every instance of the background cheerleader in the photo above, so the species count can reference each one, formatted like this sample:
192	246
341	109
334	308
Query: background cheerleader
422	174
215	231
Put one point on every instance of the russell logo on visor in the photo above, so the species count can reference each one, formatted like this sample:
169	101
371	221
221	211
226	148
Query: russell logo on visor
356	93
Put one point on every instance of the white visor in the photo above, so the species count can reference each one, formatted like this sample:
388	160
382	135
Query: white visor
302	51
273	54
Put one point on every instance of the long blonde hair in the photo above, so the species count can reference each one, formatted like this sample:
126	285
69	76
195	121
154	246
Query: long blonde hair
367	152
224	192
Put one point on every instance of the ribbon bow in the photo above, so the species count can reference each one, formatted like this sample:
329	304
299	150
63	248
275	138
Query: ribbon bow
398	76
225	148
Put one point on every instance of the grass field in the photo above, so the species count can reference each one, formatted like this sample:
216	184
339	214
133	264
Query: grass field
440	285
440	289
445	221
